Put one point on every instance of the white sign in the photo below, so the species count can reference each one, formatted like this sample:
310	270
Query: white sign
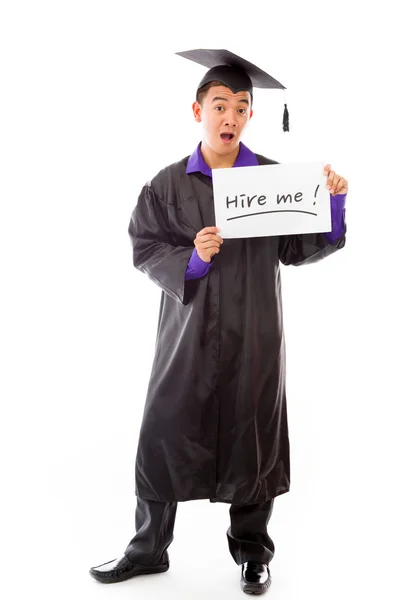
267	200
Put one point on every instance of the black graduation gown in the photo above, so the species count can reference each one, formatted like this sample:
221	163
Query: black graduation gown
214	423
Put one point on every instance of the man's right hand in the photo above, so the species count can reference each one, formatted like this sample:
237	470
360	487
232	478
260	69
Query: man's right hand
207	243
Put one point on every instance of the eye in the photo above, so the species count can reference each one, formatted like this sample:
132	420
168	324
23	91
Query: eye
244	110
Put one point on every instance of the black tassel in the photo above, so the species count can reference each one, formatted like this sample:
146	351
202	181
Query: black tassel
285	119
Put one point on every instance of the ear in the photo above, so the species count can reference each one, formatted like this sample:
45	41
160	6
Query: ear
251	113
196	111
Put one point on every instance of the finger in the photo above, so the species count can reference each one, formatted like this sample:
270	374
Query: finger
206	238
214	244
209	236
327	168
330	179
209	230
202	237
335	181
207	245
341	186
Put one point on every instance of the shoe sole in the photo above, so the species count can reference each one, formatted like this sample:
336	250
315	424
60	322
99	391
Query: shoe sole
255	588
139	570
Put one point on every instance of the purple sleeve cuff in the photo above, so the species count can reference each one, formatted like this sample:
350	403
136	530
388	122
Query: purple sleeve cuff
196	267
338	218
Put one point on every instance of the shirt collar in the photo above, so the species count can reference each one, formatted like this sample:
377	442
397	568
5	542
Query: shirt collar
196	162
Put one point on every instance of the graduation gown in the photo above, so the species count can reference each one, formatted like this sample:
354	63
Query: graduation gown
215	422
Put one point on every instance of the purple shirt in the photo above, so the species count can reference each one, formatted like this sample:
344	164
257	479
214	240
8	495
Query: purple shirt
246	158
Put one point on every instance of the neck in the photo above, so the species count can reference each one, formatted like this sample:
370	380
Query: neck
218	161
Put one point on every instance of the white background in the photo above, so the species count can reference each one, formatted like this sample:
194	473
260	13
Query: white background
93	103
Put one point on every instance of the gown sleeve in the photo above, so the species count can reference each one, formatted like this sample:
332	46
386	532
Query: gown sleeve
308	248
154	251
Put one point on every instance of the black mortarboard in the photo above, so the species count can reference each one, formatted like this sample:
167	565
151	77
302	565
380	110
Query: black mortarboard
235	72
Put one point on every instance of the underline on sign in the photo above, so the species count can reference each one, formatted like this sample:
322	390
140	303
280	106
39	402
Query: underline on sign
265	212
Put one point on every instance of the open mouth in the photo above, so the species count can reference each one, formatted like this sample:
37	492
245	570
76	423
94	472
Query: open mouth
227	137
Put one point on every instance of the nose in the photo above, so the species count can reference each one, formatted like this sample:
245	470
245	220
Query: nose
230	118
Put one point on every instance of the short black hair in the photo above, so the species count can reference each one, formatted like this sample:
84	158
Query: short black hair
202	92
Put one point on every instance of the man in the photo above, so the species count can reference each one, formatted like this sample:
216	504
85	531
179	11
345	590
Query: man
215	423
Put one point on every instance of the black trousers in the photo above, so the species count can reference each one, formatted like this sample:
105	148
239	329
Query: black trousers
248	539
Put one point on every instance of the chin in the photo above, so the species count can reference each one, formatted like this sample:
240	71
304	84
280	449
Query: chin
227	148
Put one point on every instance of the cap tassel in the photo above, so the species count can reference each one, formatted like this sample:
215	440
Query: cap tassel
285	119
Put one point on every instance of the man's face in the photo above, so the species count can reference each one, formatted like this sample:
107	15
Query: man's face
223	113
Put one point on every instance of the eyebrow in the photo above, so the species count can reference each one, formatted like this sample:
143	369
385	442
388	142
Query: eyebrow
224	100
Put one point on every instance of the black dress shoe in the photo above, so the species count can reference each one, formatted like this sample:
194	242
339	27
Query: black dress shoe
256	578
121	569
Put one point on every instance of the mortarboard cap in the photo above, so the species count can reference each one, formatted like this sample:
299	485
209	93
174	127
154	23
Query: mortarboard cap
235	72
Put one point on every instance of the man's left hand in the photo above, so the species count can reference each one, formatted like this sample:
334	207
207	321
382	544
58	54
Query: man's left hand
336	184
